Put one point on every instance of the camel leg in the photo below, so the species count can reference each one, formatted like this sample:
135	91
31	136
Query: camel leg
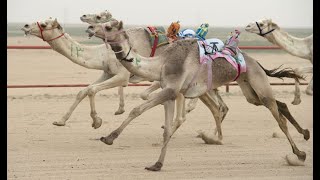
180	115
80	96
283	109
161	97
309	89
154	86
223	108
214	108
257	89
121	102
191	105
297	94
169	112
117	80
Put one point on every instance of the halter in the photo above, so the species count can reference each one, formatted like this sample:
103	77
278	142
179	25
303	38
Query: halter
260	30
41	30
116	42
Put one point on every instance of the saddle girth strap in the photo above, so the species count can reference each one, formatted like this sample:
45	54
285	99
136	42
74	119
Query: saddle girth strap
156	40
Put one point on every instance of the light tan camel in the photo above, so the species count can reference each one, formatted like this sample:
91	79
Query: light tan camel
114	74
91	57
179	72
139	37
300	47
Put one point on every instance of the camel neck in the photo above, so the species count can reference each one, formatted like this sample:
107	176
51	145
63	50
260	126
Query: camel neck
86	56
295	46
145	67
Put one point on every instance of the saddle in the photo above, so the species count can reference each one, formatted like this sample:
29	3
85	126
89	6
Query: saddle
157	37
212	49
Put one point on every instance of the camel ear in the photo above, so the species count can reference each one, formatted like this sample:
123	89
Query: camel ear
56	24
120	25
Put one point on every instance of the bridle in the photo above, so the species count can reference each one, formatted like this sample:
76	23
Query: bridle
116	42
41	30
260	30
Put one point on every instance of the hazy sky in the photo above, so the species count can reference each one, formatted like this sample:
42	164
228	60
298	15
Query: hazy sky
232	13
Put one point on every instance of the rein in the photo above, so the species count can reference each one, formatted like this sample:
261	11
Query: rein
41	30
260	30
116	42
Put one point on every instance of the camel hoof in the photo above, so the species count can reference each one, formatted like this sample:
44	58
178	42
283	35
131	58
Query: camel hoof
109	139
296	101
97	123
106	140
292	160
59	123
309	92
306	134
119	112
209	140
302	156
155	167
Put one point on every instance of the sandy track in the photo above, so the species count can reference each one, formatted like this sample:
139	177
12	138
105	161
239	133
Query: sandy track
39	150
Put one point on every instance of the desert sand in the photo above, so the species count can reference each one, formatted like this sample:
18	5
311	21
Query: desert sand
39	150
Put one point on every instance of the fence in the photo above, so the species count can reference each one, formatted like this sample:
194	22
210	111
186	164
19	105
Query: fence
85	85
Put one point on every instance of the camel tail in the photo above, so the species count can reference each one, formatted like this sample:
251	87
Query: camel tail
281	73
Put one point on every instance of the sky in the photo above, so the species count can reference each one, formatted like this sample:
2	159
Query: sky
222	13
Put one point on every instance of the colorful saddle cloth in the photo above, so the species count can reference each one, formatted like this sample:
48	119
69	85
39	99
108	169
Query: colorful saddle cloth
160	32
211	49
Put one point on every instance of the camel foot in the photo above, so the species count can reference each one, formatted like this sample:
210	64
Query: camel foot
296	101
306	134
292	160
97	123
301	156
209	140
156	167
120	111
109	139
59	123
309	92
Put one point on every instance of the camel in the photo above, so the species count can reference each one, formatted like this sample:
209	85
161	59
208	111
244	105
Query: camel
140	42
114	74
300	47
179	72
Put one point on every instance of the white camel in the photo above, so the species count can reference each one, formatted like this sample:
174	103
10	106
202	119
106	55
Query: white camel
179	72
300	47
114	74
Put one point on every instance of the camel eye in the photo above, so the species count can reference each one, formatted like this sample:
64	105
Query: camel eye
43	25
108	28
90	27
98	17
260	24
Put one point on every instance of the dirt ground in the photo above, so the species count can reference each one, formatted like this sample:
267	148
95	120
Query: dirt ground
39	150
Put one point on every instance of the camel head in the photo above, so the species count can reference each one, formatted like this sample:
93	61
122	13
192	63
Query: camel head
109	31
47	30
261	27
102	17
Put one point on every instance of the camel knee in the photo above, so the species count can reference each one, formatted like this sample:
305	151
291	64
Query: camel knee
171	94
135	112
268	102
91	91
82	94
253	101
